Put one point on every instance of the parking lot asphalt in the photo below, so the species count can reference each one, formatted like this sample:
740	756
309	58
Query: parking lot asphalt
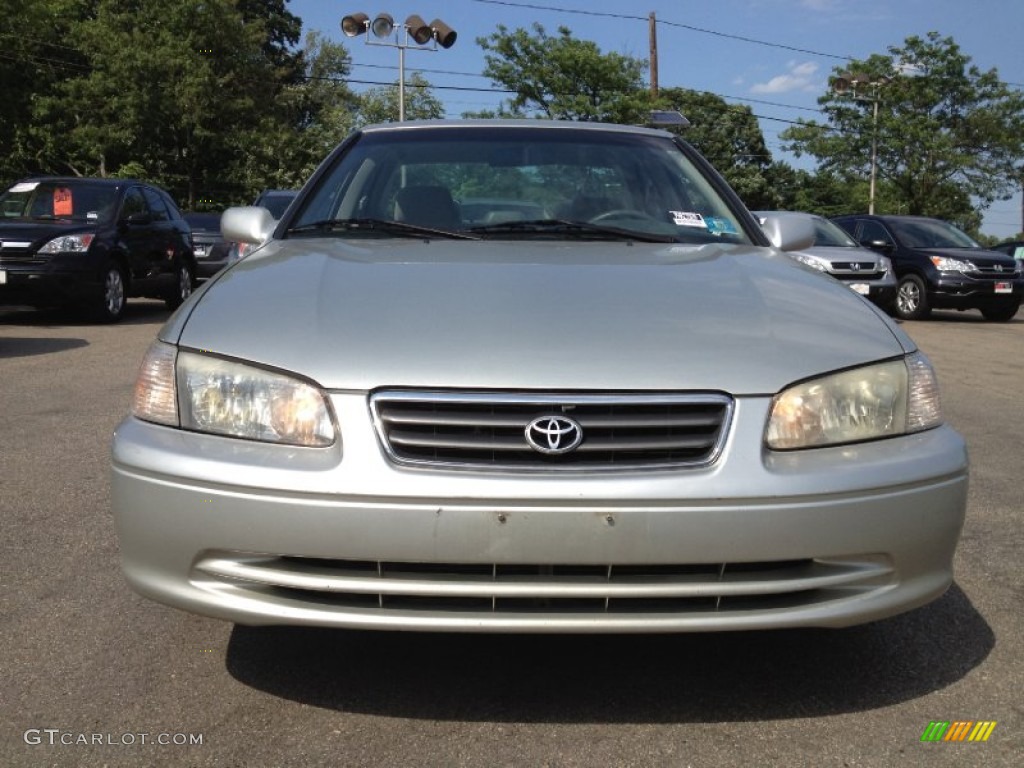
95	675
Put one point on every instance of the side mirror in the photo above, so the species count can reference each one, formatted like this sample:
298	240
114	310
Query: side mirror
882	246
789	233
247	224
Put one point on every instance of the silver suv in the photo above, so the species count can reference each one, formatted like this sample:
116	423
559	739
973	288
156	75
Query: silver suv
865	272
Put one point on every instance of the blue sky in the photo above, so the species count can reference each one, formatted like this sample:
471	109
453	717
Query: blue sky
703	45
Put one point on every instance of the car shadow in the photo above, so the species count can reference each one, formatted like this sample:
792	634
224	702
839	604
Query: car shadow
969	316
18	346
713	677
136	312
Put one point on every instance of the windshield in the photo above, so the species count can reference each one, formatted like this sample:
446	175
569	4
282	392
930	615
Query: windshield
519	182
276	202
931	233
827	233
67	200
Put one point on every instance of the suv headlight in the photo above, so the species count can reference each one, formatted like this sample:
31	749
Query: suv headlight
810	261
944	264
69	244
203	393
881	400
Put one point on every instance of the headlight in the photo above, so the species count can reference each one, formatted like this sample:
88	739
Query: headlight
69	244
810	261
881	400
207	394
944	264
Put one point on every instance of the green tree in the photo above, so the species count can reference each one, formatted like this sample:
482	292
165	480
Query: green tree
280	148
564	78
167	87
34	57
380	105
950	137
730	138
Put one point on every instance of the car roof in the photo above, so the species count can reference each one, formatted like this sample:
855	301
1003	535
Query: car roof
525	124
90	179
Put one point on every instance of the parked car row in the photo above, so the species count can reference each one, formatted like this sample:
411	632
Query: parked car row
92	243
938	266
909	265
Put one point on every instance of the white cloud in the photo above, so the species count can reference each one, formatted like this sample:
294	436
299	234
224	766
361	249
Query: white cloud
799	77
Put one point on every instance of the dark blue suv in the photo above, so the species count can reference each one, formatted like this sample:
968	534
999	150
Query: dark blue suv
938	266
92	243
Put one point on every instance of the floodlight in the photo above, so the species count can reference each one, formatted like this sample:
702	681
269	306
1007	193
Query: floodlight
354	24
444	34
418	30
383	25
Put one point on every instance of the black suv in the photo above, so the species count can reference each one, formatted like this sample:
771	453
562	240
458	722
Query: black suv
92	243
938	266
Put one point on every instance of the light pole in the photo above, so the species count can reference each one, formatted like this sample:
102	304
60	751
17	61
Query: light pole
850	82
383	25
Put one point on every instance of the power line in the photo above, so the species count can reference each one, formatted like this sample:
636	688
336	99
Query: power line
677	24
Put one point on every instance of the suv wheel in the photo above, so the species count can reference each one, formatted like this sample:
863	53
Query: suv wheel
109	306
1002	313
183	282
911	299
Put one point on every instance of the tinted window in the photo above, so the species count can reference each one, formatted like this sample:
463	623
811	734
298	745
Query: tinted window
133	204
156	204
930	233
827	233
872	231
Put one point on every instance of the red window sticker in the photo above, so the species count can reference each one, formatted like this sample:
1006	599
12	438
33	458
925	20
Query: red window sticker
62	201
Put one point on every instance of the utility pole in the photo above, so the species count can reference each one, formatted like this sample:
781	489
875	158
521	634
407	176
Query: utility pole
652	28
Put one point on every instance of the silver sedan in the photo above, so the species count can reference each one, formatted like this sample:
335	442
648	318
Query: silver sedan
532	377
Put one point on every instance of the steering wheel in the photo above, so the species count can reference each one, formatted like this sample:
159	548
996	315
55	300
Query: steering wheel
622	213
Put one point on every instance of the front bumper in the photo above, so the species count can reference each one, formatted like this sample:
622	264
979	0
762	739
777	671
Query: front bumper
261	534
57	281
958	291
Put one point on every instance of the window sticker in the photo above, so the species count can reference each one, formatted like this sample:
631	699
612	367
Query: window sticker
719	225
687	219
62	201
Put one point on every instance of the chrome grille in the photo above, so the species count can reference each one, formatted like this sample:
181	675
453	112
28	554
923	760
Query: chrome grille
619	431
18	252
854	277
480	590
995	272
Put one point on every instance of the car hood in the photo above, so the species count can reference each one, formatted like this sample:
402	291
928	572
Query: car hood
534	315
38	232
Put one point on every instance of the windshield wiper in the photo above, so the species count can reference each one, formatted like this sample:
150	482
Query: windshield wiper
565	227
378	225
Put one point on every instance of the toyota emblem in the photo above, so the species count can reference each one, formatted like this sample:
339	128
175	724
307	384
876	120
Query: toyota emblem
553	435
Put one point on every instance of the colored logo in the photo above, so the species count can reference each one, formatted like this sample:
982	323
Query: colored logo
958	730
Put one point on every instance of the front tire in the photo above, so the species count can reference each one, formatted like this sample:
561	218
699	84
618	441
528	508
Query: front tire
184	280
911	299
109	306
